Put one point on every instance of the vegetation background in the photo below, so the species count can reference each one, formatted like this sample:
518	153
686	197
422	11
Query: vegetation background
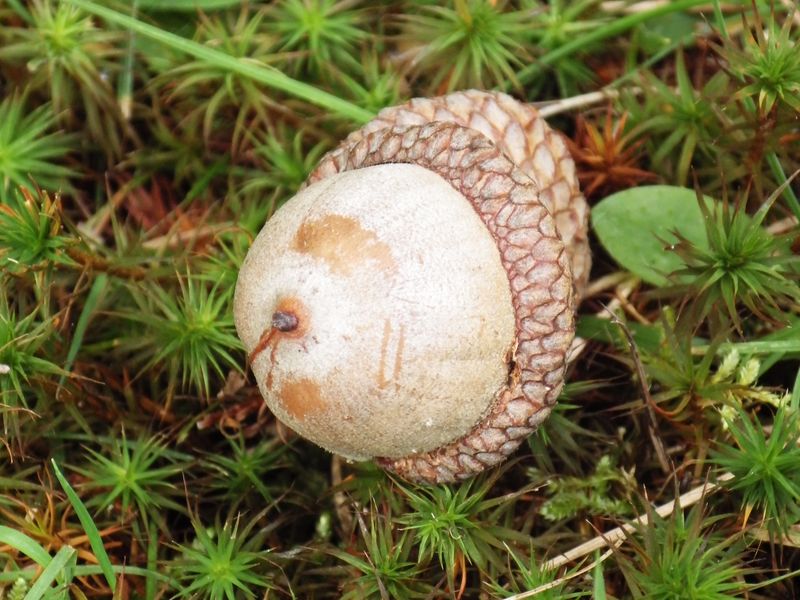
144	143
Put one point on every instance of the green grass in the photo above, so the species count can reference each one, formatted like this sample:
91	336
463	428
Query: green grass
261	73
142	149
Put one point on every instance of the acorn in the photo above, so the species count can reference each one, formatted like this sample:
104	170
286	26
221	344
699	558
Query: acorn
414	303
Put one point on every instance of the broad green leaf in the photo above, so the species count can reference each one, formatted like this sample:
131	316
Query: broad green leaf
647	337
635	226
669	28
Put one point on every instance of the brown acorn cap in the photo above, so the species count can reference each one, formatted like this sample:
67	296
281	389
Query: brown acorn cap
537	263
524	137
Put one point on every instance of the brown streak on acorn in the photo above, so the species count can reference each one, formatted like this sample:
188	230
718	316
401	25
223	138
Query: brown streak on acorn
387	332
262	344
398	357
271	364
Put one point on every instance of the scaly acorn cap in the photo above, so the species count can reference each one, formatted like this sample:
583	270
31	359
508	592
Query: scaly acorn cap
524	137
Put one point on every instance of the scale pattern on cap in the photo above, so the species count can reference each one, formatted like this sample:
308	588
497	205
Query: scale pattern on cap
537	263
524	136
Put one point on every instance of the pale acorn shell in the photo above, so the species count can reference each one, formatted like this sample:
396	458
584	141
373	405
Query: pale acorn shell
389	272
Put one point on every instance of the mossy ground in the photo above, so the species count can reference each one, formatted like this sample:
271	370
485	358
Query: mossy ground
141	149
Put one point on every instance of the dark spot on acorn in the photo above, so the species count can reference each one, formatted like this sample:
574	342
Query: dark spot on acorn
290	320
284	321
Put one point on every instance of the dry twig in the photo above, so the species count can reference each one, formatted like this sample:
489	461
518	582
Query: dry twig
618	534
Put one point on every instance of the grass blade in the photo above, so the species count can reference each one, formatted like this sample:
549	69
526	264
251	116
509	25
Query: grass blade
780	176
152	562
51	572
187	5
617	27
98	287
125	90
89	527
27	545
261	73
21	11
84	570
598	580
758	346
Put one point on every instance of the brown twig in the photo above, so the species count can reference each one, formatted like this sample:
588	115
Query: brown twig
618	534
178	239
95	263
575	102
791	6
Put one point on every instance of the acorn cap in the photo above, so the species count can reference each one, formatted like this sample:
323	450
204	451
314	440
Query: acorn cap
524	137
420	313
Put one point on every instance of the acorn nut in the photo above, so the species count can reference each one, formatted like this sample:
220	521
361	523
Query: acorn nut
414	302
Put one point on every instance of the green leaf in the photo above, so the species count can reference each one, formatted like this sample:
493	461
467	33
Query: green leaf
92	300
191	6
613	28
89	527
635	225
598	581
261	73
761	347
84	570
27	545
647	337
671	27
51	572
